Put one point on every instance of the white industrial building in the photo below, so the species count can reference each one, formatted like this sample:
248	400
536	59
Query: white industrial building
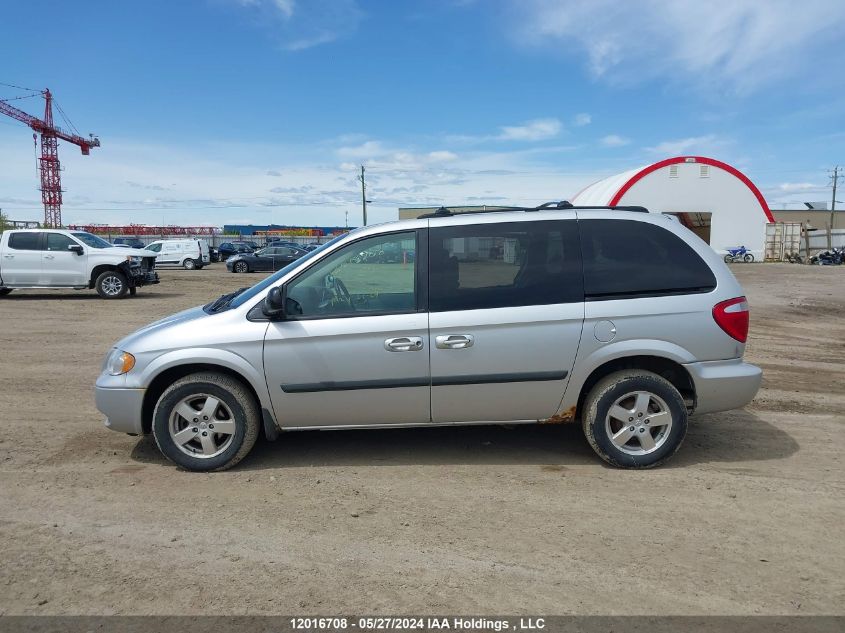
710	197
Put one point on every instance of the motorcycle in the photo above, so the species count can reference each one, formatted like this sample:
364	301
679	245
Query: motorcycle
832	257
738	254
793	258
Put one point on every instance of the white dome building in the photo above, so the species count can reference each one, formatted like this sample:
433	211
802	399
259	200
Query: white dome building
711	198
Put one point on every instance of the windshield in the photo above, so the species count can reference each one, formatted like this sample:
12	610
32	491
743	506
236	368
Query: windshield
269	281
91	240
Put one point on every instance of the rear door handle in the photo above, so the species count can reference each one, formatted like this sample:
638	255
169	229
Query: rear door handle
404	344
454	341
49	257
9	256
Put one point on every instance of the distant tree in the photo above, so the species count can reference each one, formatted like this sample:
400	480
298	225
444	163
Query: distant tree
4	221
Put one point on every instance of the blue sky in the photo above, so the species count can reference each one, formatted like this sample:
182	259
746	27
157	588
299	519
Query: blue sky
220	111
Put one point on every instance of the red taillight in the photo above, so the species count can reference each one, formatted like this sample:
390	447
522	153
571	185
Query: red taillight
732	317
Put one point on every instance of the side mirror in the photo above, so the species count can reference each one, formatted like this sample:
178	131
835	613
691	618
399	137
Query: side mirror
274	303
76	248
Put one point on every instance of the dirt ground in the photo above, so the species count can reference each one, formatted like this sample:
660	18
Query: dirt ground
746	519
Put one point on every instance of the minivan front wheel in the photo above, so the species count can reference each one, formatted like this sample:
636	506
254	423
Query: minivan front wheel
634	419
206	421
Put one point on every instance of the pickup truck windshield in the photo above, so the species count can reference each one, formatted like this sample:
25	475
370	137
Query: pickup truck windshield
91	240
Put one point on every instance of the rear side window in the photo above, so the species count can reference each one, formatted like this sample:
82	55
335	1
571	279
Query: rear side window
625	258
504	265
24	241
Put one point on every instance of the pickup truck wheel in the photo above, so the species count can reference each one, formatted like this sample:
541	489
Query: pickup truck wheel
111	285
241	267
5	291
634	419
206	422
189	264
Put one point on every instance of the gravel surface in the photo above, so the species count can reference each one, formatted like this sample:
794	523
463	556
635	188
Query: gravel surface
746	519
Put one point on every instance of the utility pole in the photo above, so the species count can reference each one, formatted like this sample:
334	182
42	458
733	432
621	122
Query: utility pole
363	194
834	178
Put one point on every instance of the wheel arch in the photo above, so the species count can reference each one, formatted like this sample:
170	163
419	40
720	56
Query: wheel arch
167	376
667	368
99	270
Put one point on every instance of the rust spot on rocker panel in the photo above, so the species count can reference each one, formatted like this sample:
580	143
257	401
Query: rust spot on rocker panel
564	417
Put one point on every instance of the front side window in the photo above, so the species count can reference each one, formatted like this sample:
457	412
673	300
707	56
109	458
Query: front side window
59	242
376	275
91	240
24	241
155	248
504	265
626	258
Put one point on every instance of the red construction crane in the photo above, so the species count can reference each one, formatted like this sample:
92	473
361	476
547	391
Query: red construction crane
51	184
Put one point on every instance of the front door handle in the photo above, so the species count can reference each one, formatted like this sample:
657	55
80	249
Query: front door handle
454	341
49	257
404	344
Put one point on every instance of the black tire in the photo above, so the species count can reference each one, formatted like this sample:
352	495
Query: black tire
748	258
111	284
133	291
240	267
5	291
728	259
242	408
189	264
596	419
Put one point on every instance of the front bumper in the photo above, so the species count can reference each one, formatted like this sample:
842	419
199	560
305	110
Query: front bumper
143	278
724	384
122	408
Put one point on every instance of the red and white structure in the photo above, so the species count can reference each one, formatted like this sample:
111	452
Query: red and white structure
711	198
51	171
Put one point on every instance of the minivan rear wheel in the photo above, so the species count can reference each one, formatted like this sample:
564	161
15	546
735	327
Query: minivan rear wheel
206	422
634	419
189	264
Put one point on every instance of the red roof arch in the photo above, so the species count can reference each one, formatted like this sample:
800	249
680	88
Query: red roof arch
693	159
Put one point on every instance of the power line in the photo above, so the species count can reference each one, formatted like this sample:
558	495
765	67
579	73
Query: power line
18	87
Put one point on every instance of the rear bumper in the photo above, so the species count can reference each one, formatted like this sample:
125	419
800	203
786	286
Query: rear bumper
724	384
122	408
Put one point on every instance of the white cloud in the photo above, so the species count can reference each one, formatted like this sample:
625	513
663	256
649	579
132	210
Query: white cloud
705	144
442	156
366	150
582	119
742	44
285	7
536	130
614	140
299	26
792	187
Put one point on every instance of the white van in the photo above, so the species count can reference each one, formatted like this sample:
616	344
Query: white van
188	253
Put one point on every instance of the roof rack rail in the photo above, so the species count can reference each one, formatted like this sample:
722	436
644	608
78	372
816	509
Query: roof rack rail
444	212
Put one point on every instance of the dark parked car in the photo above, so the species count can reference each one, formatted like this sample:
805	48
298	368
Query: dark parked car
267	259
312	247
227	249
131	242
277	241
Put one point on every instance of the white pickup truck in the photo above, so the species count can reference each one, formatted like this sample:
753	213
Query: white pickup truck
53	258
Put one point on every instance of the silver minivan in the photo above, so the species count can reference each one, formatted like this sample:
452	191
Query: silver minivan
618	319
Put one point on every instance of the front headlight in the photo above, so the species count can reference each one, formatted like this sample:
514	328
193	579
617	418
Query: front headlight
119	362
134	259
